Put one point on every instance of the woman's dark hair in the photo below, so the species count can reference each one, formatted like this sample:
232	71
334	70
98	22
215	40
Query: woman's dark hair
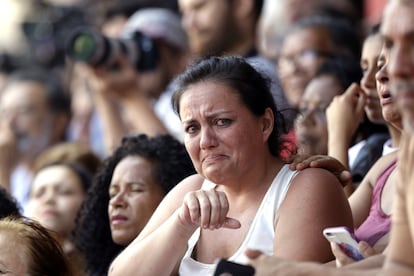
171	164
8	204
345	70
252	87
342	34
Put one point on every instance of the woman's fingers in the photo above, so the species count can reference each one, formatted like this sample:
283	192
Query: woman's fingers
366	249
341	258
224	208
191	212
207	209
206	205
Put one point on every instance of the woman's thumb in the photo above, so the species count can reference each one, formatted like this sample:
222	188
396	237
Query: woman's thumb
252	253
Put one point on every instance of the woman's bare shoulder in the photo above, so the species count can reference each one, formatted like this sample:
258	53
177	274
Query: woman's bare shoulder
317	182
385	160
379	167
316	175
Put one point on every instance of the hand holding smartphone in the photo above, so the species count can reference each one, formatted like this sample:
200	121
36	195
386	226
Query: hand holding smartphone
345	239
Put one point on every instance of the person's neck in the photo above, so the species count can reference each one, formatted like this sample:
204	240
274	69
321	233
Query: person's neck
259	177
395	134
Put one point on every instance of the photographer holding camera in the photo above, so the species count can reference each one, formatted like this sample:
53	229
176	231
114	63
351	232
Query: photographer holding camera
130	77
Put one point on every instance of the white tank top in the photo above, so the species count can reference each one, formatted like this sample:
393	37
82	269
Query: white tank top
260	235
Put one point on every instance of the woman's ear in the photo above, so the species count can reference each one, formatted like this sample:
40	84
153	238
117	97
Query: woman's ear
267	123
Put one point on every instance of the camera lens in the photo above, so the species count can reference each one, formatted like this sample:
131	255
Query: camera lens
83	47
90	46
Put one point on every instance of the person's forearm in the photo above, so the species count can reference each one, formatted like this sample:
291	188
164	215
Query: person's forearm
156	254
392	268
112	123
331	271
284	268
339	150
373	262
142	116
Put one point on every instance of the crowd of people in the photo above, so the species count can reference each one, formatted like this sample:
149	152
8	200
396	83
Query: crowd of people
157	139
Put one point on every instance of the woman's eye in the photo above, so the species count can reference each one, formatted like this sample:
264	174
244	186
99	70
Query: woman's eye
38	193
191	129
112	192
387	44
137	188
224	122
66	192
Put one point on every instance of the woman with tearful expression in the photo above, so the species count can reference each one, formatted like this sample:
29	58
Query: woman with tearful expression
243	195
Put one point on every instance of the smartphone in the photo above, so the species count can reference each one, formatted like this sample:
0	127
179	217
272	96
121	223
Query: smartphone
228	268
343	236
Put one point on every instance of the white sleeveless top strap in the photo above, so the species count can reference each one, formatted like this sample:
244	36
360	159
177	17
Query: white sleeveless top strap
261	233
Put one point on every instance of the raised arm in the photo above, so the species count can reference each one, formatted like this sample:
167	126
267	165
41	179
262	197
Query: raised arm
315	200
161	245
123	108
343	116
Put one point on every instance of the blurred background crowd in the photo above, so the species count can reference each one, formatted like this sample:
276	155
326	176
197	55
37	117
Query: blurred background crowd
80	80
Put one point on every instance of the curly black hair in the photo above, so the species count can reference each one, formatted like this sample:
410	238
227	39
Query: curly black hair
8	204
92	234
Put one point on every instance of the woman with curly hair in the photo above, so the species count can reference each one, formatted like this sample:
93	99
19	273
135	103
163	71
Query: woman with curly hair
125	191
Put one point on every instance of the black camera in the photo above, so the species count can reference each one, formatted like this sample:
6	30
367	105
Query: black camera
90	46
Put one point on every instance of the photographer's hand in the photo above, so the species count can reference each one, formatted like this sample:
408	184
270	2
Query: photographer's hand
117	82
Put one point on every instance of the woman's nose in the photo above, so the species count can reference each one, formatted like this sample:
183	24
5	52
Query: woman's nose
118	200
208	138
368	79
